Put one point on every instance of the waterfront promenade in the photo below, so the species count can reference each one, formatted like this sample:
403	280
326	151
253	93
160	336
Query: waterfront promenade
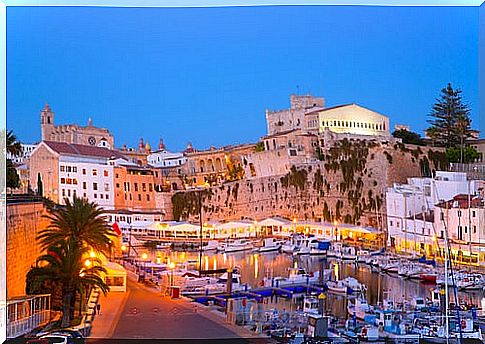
143	313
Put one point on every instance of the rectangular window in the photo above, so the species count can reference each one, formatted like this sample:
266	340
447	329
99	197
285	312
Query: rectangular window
84	186
139	197
74	181
459	213
116	175
150	187
84	171
107	196
68	181
69	169
473	213
95	172
136	187
117	185
148	198
95	186
95	196
74	169
69	192
62	168
106	186
63	192
63	180
84	194
105	172
144	187
131	198
101	196
474	229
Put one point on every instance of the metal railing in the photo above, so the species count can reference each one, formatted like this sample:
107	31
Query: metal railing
22	326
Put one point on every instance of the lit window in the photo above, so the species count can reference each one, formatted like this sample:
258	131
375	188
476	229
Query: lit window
63	180
105	172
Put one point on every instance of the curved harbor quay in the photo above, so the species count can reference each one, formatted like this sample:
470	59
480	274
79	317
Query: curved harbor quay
277	286
144	314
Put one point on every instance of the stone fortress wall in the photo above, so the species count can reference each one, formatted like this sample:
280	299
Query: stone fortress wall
24	221
346	182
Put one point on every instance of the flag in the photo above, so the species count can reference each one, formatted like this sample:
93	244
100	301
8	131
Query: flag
116	228
55	255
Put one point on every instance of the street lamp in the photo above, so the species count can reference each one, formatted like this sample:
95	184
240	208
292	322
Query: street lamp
87	263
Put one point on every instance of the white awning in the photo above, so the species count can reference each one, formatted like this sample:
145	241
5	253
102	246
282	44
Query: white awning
236	224
275	222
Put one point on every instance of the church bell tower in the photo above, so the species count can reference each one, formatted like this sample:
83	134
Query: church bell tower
46	122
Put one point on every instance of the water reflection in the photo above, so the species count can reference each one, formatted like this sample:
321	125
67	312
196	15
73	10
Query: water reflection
255	267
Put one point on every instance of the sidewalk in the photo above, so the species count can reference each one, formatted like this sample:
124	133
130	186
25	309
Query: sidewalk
111	310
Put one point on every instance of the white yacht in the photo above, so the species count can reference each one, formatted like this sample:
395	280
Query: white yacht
238	245
269	245
212	245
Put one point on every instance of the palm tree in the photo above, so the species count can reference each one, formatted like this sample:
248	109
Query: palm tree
13	146
65	264
81	221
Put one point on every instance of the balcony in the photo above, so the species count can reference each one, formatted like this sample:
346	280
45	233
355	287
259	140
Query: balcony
27	313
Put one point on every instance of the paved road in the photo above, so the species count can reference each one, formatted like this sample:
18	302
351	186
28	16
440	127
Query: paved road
148	315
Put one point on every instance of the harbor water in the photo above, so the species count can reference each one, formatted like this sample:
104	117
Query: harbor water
255	267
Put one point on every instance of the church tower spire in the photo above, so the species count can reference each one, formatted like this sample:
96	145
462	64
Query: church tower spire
46	122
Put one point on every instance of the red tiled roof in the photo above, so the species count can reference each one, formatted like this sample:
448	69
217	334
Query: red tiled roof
84	150
461	201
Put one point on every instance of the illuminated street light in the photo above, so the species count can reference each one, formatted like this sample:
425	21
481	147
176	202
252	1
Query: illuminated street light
144	256
92	254
123	247
87	263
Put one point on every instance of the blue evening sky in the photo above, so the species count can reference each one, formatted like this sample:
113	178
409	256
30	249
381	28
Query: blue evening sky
207	75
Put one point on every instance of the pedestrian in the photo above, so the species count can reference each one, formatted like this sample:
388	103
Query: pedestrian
98	307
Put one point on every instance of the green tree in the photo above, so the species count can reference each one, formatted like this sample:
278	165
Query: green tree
465	155
450	123
40	186
408	137
259	147
81	221
13	180
13	146
65	264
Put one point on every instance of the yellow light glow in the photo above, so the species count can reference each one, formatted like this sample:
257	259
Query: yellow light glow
159	260
206	261
335	270
335	223
92	254
294	220
87	263
81	274
144	256
295	265
214	262
256	265
123	248
171	265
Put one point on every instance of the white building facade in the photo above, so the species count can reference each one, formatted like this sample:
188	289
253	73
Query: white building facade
27	149
163	158
412	214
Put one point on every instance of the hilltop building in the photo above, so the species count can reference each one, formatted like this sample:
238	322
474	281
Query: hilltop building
73	133
67	170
